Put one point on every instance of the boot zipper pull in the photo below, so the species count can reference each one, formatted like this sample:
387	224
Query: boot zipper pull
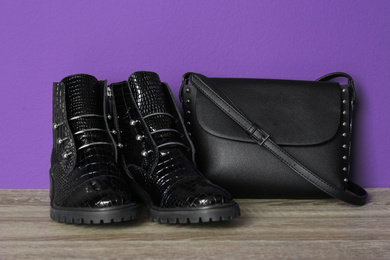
109	92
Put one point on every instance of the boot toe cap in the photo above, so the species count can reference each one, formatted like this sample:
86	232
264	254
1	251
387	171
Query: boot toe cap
196	193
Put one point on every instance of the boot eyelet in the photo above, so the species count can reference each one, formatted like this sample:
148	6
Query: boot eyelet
146	153
56	125
66	155
134	122
139	137
61	140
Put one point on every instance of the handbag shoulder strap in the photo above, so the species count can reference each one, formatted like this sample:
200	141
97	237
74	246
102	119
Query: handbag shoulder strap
334	75
354	194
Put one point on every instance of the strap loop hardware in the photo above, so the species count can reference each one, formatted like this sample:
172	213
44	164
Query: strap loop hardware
264	140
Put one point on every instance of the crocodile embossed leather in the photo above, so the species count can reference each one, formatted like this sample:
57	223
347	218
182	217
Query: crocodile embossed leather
157	154
86	184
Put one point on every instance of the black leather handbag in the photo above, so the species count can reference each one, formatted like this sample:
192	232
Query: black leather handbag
269	138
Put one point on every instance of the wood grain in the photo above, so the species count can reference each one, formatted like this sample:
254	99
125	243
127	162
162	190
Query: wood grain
267	229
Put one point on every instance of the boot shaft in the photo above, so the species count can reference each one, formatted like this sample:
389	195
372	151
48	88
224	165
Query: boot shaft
155	106
146	117
79	121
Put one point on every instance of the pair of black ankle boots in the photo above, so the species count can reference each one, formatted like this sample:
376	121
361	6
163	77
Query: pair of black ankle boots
119	144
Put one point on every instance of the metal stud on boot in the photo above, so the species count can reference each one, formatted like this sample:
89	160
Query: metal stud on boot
86	184
157	154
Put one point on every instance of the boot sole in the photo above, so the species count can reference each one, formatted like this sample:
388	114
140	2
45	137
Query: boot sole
95	216
215	213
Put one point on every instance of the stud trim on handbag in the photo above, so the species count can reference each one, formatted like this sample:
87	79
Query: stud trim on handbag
311	122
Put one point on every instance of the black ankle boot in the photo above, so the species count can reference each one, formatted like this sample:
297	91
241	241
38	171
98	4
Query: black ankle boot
157	154
86	185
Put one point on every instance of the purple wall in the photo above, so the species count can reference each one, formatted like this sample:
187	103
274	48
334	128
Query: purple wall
44	41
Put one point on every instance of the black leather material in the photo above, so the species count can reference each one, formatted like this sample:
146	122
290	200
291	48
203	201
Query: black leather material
157	153
84	177
310	120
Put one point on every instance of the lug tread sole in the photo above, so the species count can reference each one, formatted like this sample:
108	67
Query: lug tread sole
90	217
194	216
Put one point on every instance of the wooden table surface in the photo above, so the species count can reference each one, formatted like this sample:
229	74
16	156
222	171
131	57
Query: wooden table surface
267	229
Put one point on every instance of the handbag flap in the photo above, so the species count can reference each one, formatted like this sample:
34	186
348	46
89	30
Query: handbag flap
292	112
